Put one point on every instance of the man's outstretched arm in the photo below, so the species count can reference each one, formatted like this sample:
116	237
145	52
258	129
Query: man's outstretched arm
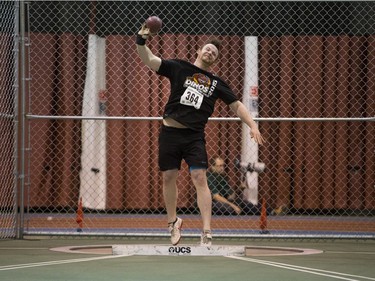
241	111
147	57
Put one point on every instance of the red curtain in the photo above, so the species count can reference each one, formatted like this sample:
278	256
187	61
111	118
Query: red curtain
304	76
318	165
58	71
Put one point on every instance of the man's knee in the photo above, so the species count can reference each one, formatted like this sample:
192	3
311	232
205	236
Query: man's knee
199	177
169	177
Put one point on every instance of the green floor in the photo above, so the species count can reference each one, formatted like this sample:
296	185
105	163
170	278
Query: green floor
31	259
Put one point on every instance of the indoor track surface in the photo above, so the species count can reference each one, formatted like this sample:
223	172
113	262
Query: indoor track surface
32	259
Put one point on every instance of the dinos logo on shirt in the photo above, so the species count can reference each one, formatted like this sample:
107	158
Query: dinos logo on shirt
202	83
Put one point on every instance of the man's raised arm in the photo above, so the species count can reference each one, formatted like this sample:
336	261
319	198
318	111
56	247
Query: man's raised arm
144	52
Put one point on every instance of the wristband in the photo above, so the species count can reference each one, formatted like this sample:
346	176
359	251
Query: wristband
140	40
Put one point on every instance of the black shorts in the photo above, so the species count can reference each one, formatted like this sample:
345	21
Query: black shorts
176	144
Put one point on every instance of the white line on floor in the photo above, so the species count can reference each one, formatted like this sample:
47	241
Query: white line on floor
15	248
304	269
359	253
28	265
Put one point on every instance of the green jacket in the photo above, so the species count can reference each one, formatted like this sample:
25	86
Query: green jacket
218	184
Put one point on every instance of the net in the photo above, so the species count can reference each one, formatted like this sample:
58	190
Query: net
304	69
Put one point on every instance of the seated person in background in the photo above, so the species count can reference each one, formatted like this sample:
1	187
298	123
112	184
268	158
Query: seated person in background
225	201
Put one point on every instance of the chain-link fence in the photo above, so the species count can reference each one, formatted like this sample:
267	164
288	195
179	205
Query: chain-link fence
305	70
9	52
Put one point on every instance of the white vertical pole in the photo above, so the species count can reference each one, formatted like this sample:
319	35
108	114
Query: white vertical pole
250	100
93	189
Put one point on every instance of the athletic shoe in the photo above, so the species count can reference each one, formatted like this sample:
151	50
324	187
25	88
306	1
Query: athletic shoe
175	231
206	239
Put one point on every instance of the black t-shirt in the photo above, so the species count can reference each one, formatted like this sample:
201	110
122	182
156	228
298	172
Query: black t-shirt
194	92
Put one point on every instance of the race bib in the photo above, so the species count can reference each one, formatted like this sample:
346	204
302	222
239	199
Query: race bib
192	97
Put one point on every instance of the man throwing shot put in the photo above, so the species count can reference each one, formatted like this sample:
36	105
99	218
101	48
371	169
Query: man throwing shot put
194	91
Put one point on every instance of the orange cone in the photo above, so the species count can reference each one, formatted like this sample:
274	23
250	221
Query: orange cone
263	218
79	217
